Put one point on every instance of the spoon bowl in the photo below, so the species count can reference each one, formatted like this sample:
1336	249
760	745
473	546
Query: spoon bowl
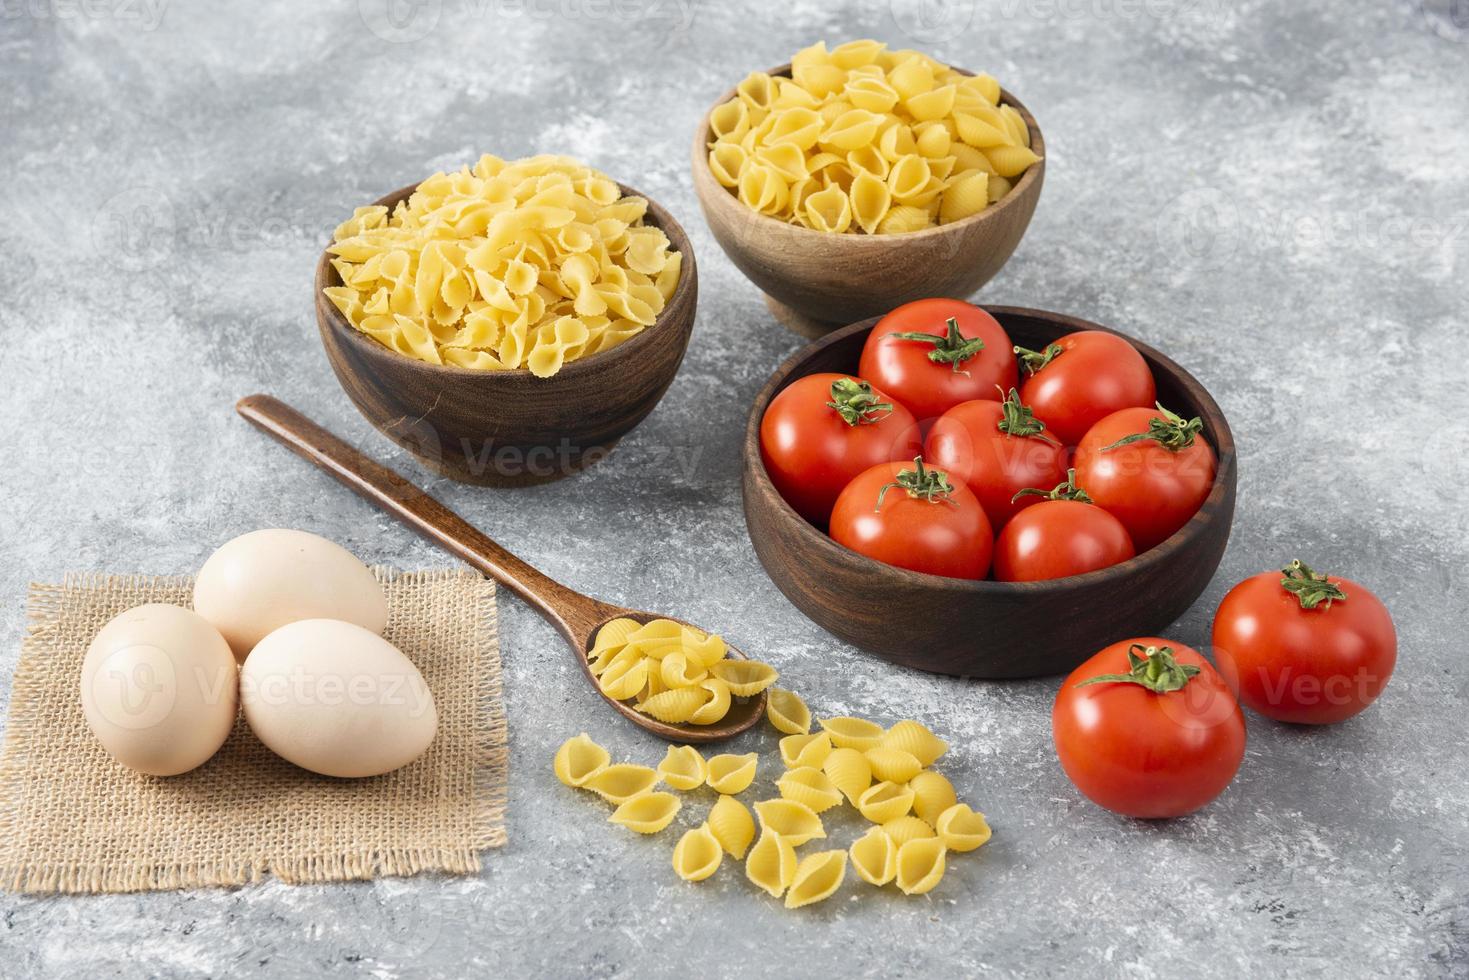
577	617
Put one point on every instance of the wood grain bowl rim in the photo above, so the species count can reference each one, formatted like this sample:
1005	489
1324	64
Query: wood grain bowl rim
327	311
1033	174
1220	438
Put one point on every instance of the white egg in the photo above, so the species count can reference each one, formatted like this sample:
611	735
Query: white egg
337	699
263	580
160	689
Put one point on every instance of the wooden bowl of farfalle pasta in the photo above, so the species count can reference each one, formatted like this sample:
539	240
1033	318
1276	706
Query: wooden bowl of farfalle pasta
509	322
858	178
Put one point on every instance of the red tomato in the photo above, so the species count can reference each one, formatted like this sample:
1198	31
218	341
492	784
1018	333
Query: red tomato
1148	468
1081	379
1305	648
1057	538
822	431
913	517
997	449
932	354
1148	729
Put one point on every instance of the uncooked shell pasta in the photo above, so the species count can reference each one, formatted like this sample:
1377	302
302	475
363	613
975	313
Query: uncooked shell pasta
647	813
961	829
932	795
787	712
804	750
849	771
853	733
795	822
920	865
885	801
697	854
771	864
875	857
683	767
673	672
893	765
905	828
621	782
817	877
810	786
521	264
732	826
731	774
579	759
863	140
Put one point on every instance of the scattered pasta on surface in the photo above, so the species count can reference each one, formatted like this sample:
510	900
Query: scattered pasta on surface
864	140
917	820
526	263
672	672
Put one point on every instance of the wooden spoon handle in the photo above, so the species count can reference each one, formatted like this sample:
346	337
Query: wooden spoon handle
570	611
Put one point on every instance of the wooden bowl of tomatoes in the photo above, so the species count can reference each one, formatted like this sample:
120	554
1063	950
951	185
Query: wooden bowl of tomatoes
896	467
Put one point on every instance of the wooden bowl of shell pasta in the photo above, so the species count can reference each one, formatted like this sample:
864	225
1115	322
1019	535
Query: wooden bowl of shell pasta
817	281
510	427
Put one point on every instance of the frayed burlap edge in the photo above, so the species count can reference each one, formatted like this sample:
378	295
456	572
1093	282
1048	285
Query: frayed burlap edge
490	772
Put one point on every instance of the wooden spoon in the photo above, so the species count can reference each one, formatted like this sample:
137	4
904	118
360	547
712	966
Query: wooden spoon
576	616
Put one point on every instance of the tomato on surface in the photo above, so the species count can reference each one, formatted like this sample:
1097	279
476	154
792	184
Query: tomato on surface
1082	378
1303	647
932	354
1064	534
822	431
1149	469
1147	728
997	449
911	516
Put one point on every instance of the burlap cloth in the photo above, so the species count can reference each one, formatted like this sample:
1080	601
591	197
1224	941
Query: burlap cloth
73	820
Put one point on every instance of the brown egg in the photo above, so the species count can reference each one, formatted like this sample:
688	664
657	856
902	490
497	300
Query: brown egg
261	581
160	689
337	699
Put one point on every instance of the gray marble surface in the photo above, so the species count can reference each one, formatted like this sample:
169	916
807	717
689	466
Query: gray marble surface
1276	193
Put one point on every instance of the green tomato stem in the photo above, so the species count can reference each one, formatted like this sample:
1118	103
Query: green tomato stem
1020	420
1171	432
951	348
1061	491
1033	360
1310	587
856	403
1157	669
921	483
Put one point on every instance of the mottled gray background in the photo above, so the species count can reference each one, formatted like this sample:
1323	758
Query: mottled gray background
1275	193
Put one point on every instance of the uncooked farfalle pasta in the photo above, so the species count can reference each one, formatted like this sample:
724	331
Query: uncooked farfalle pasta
504	265
883	773
673	672
865	140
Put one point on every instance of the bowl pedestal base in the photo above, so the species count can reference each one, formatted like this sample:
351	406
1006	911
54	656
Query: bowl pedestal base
794	320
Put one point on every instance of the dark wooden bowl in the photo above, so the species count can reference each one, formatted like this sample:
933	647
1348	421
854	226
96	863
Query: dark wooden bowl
510	428
987	629
816	282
